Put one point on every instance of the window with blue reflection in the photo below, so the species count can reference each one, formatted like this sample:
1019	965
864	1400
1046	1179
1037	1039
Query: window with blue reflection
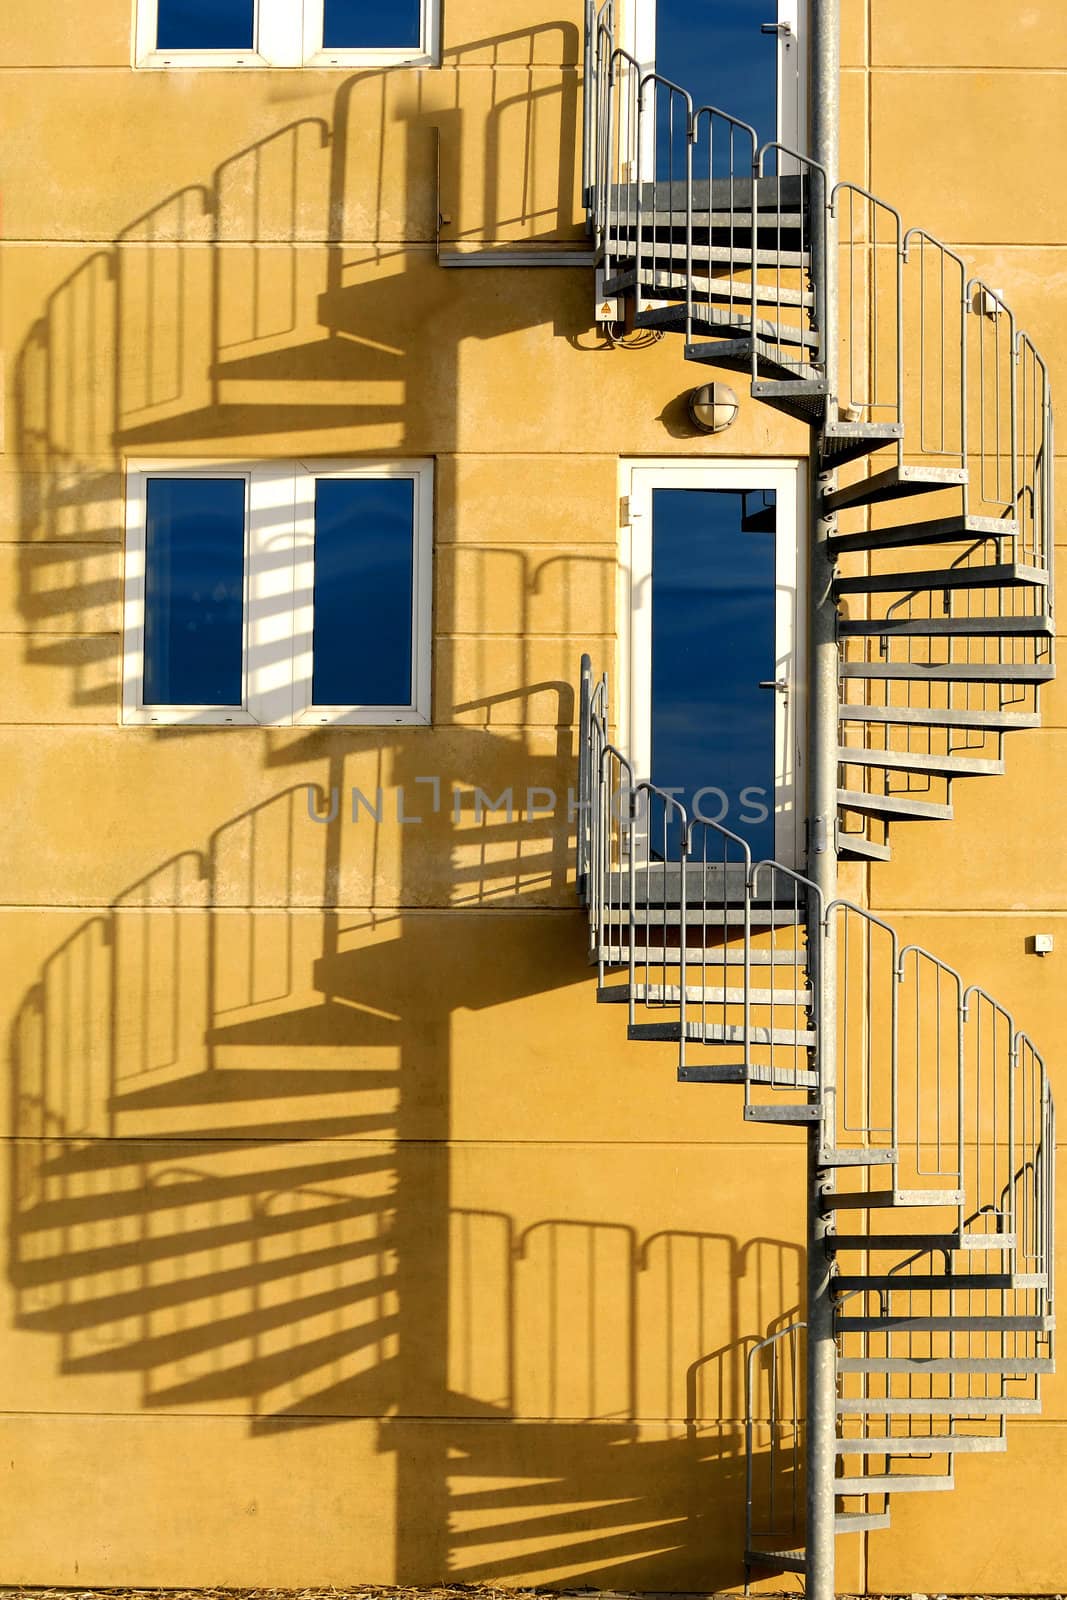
717	52
371	25
205	25
364	572
194	591
713	643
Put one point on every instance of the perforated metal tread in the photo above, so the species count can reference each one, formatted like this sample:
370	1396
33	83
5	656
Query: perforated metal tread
895	483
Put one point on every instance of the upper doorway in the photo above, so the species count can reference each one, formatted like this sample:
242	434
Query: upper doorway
719	52
711	650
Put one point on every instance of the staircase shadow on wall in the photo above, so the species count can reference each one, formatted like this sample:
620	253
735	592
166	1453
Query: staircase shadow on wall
231	1190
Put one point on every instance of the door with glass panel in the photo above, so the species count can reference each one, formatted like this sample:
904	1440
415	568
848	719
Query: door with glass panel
712	647
744	57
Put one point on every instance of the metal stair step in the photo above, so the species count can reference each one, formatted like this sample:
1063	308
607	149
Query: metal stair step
786	1560
706	957
847	441
1035	627
921	1241
940	717
771	294
899	806
728	193
949	671
858	1158
669	285
623	255
932	1283
806	400
920	761
996	575
673	217
856	847
944	1444
772	1078
651	918
737	353
860	1521
945	1324
990	1366
671	319
894	1483
720	1033
786	1114
881	1199
941	1405
895	483
936	530
670	994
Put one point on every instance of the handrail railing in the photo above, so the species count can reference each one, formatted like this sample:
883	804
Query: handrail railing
931	1072
777	1419
922	343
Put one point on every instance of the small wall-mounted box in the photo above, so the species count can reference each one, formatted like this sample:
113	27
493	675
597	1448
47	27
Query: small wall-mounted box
608	307
1042	944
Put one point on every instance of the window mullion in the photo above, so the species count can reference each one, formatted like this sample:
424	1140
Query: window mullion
279	32
269	660
303	590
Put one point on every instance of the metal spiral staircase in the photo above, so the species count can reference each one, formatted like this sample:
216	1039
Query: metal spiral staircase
937	1121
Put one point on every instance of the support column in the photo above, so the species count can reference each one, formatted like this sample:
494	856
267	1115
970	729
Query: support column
824	78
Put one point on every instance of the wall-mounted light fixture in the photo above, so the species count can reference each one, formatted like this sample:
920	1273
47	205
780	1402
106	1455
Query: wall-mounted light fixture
713	407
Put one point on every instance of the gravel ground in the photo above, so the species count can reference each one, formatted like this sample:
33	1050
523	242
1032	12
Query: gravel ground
443	1592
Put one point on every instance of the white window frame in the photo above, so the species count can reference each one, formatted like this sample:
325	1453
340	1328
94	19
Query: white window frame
787	478
639	38
286	33
278	638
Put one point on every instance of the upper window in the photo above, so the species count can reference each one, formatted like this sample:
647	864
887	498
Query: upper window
278	593
286	33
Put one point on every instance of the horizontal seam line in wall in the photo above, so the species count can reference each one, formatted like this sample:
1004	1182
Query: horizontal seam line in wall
394	247
496	723
386	913
391	248
950	70
278	1139
506	1420
489	633
969	911
324	73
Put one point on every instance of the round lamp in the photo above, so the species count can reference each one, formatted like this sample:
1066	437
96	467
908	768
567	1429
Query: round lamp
713	407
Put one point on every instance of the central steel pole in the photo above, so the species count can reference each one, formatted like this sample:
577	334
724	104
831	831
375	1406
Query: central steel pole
824	75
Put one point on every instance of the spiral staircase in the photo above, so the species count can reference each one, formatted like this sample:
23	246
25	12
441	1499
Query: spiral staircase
931	423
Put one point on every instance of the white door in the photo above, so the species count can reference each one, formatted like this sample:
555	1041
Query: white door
718	51
711	647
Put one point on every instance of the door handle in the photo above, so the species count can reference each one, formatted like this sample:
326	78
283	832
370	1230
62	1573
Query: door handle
776	683
784	30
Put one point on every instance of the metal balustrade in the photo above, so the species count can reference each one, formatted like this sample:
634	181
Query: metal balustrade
937	1118
942	1111
730	245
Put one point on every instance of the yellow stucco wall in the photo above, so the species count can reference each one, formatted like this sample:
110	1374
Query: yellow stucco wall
348	1240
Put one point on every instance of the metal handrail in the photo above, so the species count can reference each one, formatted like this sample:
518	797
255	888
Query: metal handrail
975	396
791	1331
984	1118
957	1071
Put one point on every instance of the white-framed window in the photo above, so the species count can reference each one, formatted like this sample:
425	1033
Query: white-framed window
280	592
286	33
